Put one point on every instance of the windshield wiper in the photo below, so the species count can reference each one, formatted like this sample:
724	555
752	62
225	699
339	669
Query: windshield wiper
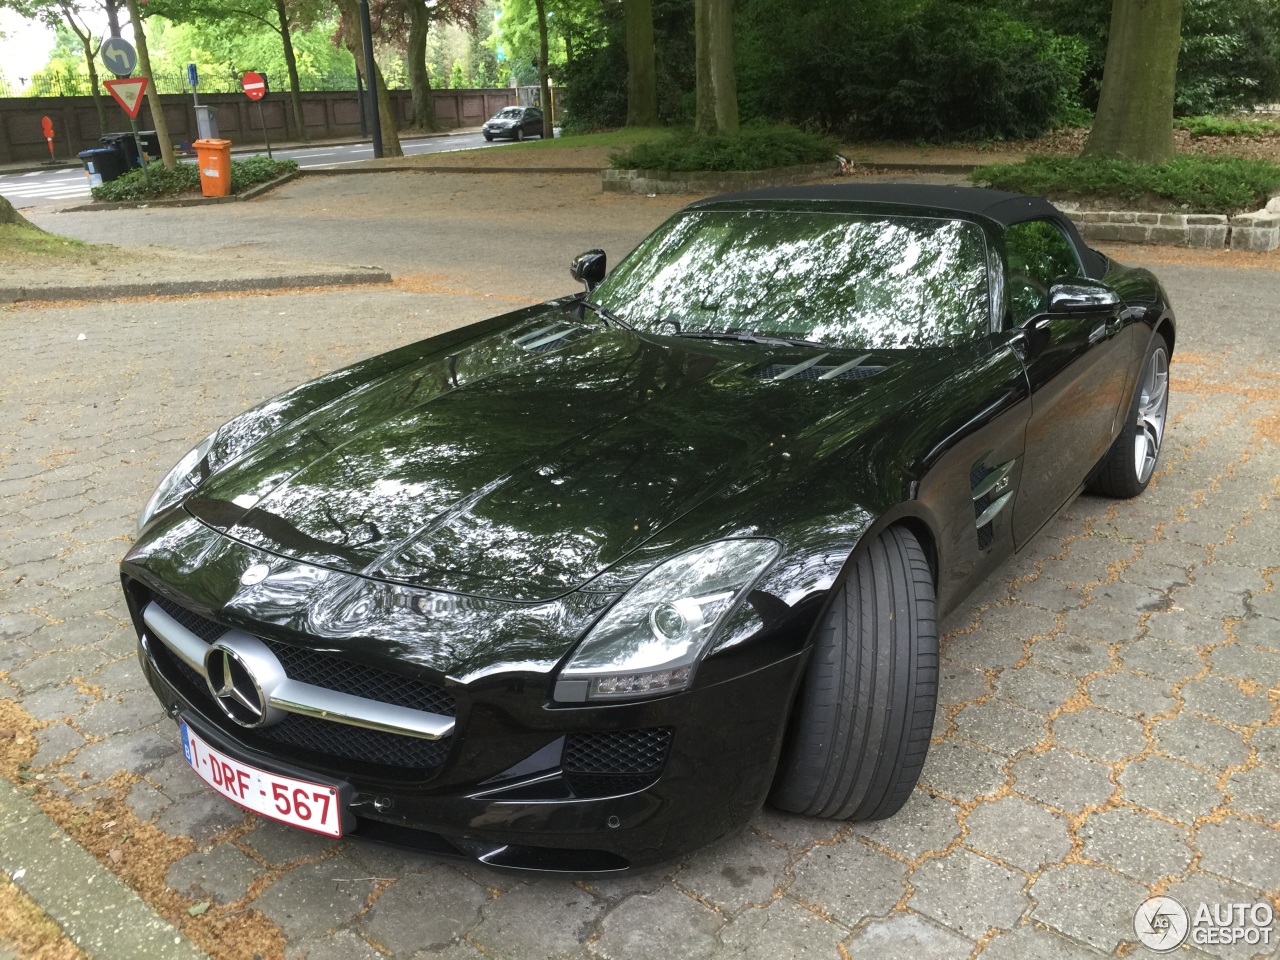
748	338
610	318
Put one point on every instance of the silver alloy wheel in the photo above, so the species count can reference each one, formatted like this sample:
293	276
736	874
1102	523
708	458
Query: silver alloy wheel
1153	404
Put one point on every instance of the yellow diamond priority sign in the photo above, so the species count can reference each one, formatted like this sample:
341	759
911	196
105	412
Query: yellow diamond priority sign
128	92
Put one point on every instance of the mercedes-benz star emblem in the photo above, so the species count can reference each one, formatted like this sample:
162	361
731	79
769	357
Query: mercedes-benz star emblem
234	687
255	574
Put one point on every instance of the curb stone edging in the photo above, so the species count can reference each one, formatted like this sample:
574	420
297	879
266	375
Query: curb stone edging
1258	231
111	291
678	181
249	194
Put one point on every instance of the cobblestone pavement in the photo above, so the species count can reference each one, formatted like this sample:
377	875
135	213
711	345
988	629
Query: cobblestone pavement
1110	701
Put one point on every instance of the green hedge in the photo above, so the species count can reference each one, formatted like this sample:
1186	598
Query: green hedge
184	178
752	148
1222	127
1203	184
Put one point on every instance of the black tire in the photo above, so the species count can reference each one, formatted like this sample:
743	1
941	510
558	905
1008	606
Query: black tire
488	138
1127	468
519	133
861	725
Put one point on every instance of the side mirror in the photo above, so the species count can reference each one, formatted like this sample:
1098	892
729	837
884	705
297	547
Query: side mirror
588	268
1082	296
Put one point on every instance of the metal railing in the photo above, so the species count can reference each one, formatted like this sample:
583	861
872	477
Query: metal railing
64	85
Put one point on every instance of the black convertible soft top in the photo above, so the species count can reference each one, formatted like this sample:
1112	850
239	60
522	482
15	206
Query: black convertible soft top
998	205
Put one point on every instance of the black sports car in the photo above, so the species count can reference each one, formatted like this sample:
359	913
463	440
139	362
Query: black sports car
579	587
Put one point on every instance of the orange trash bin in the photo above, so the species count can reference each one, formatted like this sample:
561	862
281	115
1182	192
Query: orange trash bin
214	159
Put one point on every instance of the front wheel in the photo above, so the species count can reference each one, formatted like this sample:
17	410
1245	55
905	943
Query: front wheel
519	133
488	138
861	724
1127	468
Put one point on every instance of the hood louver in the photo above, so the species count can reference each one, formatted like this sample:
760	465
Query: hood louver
815	369
551	337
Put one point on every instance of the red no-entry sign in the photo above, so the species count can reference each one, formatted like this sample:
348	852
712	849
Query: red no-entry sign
255	88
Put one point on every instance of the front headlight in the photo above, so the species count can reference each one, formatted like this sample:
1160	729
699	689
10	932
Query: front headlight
180	481
650	641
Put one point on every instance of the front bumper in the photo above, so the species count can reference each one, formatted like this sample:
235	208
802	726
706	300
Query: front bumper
500	790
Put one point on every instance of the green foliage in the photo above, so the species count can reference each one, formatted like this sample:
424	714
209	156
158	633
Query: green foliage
754	147
1204	184
185	178
935	70
1224	127
1229	55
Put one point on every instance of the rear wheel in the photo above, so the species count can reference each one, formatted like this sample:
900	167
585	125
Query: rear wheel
861	724
1127	468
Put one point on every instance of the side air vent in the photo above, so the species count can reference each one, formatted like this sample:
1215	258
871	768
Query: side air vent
551	337
991	494
815	369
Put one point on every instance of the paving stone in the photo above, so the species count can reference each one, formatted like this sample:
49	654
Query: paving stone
547	918
113	716
925	823
1050	592
961	771
1222	699
136	752
1256	792
53	669
1164	659
968	893
959	683
848	881
122	676
1170	788
1200	888
745	869
1018	832
1261	632
1243	851
1132	695
200	816
1230	578
1199	741
56	741
1125	598
659	926
56	703
222	874
783	929
1205	601
1000	640
1062	780
1087	904
1247	663
1033	943
999	727
390	863
146	801
1183	626
340	945
315	897
1266	740
906	936
1135	843
1099	734
1071	655
1155	574
277	844
1101	624
792	831
1035	689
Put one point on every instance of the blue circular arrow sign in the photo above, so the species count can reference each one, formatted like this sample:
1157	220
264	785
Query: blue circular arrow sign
119	56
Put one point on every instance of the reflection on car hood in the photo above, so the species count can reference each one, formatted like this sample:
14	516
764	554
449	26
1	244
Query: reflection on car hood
519	474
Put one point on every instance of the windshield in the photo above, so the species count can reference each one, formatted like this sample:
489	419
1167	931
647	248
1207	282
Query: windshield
856	281
510	113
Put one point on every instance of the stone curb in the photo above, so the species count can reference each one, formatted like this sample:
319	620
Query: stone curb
1258	231
249	194
111	291
101	915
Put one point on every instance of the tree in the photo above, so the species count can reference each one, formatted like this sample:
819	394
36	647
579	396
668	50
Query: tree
717	110
544	70
642	82
153	96
349	31
12	217
413	19
1135	106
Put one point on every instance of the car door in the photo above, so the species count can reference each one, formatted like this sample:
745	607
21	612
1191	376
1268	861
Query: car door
533	121
1076	367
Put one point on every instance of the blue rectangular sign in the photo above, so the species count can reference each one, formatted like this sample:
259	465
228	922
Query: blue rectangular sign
193	78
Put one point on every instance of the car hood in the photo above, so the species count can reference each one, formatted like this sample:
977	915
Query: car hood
519	468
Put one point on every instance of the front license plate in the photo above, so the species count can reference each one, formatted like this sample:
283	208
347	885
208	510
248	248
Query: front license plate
299	803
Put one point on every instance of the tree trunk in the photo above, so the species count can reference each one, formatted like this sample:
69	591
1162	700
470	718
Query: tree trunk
642	83
99	103
720	56
349	10
291	62
8	215
424	102
153	96
544	71
705	115
113	16
1135	106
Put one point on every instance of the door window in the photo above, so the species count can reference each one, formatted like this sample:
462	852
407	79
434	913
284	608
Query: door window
1039	256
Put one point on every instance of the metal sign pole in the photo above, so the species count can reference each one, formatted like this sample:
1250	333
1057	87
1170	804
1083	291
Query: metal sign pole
265	136
137	142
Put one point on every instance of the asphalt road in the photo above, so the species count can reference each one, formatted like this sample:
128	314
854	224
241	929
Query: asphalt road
65	184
